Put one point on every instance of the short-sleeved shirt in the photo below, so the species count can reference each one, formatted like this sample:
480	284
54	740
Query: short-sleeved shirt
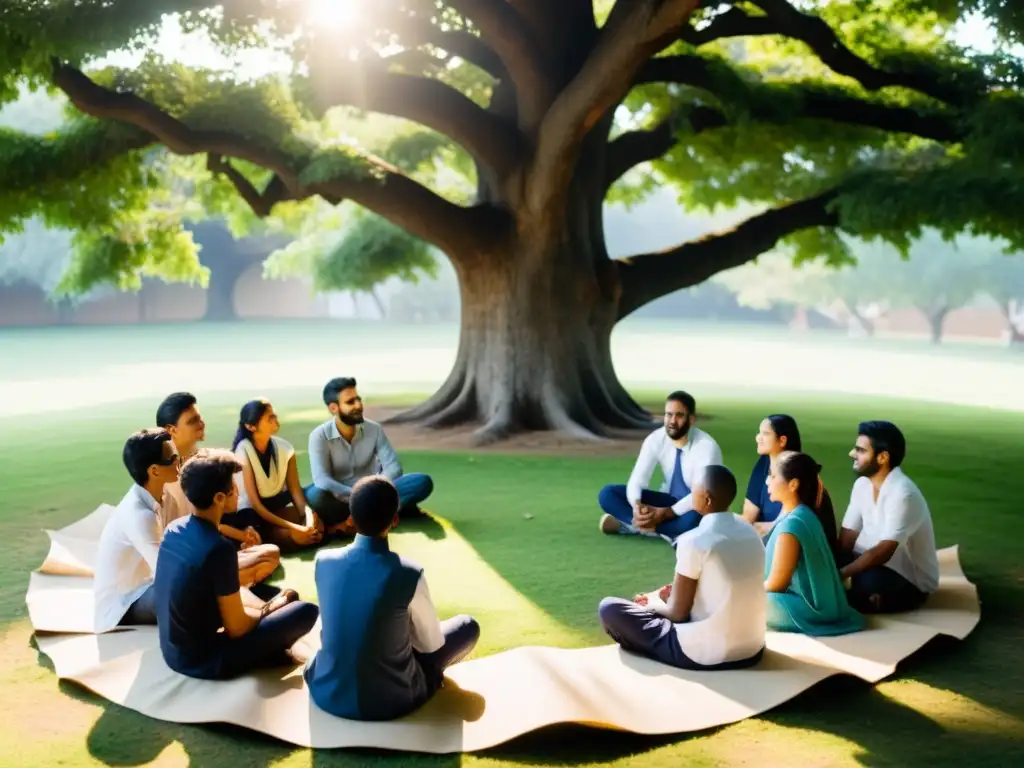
197	565
725	556
376	614
899	514
126	557
757	491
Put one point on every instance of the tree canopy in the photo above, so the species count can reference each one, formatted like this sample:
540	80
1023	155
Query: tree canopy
823	117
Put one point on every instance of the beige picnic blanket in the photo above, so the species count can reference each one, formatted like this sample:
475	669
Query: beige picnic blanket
485	701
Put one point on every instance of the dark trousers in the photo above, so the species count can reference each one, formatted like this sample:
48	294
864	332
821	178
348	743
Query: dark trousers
649	634
142	611
612	499
265	645
895	593
461	634
412	489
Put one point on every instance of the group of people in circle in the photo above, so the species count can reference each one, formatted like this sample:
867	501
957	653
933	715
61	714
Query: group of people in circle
782	563
198	533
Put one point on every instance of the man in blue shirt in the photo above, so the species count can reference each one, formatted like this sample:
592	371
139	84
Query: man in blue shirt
349	447
198	593
383	651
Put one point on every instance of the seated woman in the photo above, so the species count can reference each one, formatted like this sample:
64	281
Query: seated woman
270	498
805	593
776	434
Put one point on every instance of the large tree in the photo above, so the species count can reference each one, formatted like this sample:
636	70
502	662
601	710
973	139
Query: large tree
852	115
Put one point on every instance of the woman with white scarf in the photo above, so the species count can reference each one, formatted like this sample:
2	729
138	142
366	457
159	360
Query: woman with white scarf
270	498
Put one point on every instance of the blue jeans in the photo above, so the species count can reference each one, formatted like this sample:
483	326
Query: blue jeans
265	645
461	634
612	499
649	634
412	489
895	593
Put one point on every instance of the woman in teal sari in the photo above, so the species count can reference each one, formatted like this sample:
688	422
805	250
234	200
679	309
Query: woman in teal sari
805	593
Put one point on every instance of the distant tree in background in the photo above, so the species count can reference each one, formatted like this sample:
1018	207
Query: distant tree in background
935	278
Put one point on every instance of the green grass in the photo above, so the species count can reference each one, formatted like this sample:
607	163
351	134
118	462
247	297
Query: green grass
538	580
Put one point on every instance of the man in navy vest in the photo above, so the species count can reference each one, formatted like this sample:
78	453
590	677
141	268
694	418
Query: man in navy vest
383	651
683	452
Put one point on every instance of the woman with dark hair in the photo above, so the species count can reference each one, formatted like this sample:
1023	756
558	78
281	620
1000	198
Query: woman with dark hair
805	593
270	497
776	434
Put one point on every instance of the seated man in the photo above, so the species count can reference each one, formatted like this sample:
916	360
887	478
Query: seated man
714	617
383	651
347	448
197	589
683	451
887	543
179	415
127	552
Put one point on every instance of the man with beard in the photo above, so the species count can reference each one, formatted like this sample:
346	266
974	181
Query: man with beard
887	543
179	415
683	452
347	448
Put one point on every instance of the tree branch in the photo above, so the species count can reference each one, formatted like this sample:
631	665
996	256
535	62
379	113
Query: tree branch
505	32
820	103
822	39
419	30
388	193
635	31
261	203
639	146
649	276
731	23
491	140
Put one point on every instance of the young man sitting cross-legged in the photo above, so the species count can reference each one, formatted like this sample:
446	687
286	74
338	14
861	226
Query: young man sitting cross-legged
128	547
197	589
887	542
682	451
383	651
713	614
179	415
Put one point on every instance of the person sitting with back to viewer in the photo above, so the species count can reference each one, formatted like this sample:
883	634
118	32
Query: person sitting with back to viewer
712	616
383	650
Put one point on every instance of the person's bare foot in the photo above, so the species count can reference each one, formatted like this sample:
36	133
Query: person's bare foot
281	599
345	528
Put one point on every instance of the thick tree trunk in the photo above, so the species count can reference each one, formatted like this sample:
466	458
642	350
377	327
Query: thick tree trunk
380	304
535	340
220	291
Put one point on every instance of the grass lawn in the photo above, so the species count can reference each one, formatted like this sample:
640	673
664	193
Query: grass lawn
538	580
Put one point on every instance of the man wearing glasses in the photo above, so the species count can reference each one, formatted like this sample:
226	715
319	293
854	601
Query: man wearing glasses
126	555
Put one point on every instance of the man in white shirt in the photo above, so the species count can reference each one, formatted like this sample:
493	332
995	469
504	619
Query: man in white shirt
179	415
712	616
127	553
683	452
887	542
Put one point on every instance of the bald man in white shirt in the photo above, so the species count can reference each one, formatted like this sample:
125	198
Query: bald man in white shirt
683	452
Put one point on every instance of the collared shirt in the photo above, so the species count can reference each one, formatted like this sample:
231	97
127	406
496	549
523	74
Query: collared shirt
700	451
375	611
125	557
337	464
899	514
725	556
